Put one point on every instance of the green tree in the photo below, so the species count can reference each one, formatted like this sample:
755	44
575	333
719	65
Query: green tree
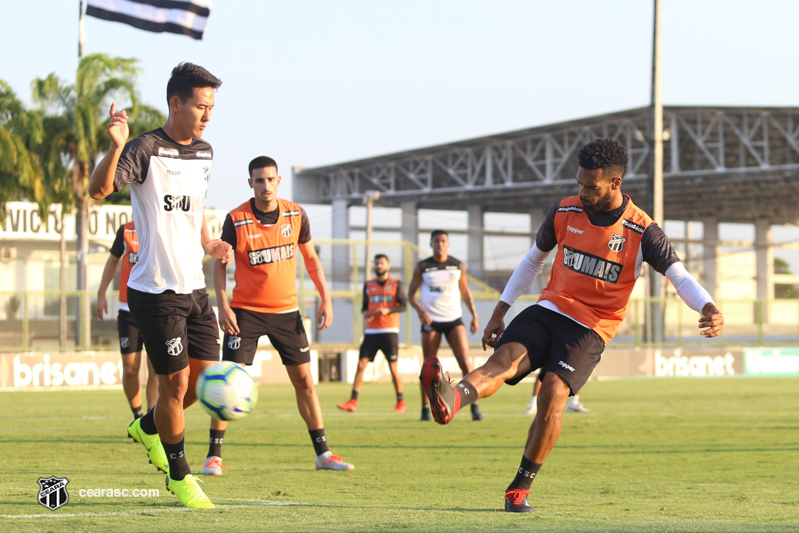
782	290
75	118
20	134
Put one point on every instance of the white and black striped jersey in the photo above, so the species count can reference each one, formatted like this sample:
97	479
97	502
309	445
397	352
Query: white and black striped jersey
440	291
168	183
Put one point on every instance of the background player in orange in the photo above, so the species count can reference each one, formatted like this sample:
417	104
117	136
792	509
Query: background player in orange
383	300
442	280
265	232
126	247
602	240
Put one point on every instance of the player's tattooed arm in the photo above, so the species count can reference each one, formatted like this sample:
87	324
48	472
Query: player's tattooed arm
495	326
101	183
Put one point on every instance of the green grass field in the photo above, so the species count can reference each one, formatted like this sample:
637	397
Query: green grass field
653	455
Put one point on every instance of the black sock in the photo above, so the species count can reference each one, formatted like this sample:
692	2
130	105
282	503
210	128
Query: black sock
354	395
178	466
148	422
467	392
215	443
525	475
319	440
399	396
137	412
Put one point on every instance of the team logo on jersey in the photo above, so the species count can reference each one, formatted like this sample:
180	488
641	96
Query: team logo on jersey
271	255
234	342
206	174
124	342
591	265
204	155
285	230
53	492
244	222
168	152
133	257
632	225
616	243
174	347
174	202
291	213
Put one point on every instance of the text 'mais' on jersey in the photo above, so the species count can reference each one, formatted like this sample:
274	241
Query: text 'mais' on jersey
168	183
126	247
595	267
378	296
266	266
440	294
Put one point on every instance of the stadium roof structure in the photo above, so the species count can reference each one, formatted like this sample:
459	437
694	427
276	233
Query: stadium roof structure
733	164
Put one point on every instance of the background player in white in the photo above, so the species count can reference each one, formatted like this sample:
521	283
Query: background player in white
126	246
168	170
442	279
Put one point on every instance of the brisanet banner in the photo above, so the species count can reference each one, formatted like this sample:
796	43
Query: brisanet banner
771	361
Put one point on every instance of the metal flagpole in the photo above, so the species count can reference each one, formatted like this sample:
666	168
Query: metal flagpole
81	31
656	174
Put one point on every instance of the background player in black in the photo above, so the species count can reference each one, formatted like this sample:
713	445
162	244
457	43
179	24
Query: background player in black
131	341
384	341
190	95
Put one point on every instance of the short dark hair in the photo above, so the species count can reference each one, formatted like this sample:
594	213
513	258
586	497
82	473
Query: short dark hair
262	161
382	256
186	77
607	154
438	232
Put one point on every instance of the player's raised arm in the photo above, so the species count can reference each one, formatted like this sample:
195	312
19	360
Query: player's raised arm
314	267
101	183
416	282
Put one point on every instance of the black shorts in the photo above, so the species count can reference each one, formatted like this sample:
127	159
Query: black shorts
175	327
555	343
130	338
285	332
388	343
442	327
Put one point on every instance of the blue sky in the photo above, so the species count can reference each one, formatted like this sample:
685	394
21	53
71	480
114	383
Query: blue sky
318	82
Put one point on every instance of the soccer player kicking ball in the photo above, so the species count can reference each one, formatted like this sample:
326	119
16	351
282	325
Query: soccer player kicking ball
168	171
383	300
265	232
602	238
126	247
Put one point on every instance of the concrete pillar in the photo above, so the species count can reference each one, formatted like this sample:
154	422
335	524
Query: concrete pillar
537	217
764	273
474	234
710	256
341	230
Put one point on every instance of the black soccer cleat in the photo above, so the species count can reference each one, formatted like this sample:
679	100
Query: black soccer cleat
476	414
516	501
438	390
425	414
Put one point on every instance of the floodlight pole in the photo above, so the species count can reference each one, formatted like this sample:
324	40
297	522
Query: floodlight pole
656	316
368	198
81	31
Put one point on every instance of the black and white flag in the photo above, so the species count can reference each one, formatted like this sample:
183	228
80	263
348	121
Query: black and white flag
173	16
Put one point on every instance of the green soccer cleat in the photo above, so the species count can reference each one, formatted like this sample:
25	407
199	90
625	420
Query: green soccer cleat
189	492
155	450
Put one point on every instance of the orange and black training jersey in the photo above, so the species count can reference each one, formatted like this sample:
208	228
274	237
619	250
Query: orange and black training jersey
266	255
125	247
598	260
387	293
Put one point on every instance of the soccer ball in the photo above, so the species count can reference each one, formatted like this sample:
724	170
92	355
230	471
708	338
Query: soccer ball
226	391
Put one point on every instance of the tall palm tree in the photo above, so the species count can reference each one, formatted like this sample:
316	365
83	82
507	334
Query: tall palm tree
75	118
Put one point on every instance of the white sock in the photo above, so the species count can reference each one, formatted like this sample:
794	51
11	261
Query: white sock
574	400
533	400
